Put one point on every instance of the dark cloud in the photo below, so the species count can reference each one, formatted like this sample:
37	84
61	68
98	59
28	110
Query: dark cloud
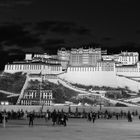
37	37
15	34
138	32
5	5
13	3
52	42
51	45
124	46
104	39
44	26
45	33
131	46
24	41
83	31
8	48
13	52
11	31
61	27
3	59
23	2
68	28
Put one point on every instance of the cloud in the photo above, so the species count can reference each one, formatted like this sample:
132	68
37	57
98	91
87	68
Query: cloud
14	52
53	41
61	27
24	41
83	31
131	46
23	2
106	39
138	32
5	5
44	26
51	45
13	3
11	31
35	49
22	38
124	46
9	48
3	58
40	36
15	34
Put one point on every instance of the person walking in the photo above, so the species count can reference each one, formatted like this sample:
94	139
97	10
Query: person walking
129	116
64	118
31	119
47	116
1	118
89	116
93	117
54	117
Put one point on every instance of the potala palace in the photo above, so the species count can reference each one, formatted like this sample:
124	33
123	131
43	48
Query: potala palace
88	67
91	66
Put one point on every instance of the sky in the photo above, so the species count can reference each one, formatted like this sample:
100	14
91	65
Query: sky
43	26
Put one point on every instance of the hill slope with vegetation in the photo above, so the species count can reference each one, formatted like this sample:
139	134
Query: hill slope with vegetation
61	94
12	82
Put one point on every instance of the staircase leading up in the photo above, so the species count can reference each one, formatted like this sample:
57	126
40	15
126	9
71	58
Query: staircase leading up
22	91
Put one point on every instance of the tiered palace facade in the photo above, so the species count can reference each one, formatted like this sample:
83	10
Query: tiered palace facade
91	66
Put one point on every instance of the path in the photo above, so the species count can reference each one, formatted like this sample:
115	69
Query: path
24	87
88	93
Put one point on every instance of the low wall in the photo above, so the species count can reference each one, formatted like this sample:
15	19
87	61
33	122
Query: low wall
66	108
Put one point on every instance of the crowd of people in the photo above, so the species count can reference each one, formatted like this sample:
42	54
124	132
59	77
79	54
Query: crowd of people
109	115
60	117
57	117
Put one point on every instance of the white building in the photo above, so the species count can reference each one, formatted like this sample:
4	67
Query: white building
80	57
87	67
36	97
124	58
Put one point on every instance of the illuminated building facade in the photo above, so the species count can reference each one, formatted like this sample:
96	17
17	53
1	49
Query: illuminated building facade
86	67
79	57
37	97
124	58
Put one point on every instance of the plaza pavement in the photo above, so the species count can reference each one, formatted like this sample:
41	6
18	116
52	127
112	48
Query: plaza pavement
76	129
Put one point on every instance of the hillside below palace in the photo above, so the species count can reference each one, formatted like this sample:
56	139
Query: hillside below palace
91	66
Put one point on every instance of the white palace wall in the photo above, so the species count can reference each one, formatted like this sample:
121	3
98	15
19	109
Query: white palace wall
54	69
33	68
132	72
87	77
95	76
101	78
130	84
28	68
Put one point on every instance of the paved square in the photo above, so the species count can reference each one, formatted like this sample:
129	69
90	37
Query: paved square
76	129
